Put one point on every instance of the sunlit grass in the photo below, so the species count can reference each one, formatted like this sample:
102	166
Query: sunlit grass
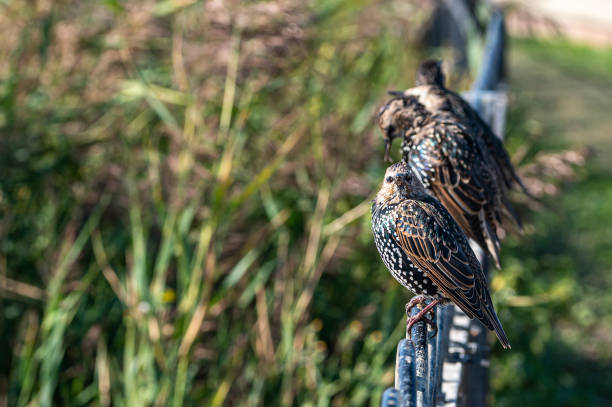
184	212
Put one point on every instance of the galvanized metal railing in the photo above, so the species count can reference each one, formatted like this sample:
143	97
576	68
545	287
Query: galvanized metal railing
451	369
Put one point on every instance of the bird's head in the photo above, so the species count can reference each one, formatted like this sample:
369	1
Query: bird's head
430	73
400	182
396	117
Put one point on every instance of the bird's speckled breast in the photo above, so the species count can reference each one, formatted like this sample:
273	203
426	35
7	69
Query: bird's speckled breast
394	257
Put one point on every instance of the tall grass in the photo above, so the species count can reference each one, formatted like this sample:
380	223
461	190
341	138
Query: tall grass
179	180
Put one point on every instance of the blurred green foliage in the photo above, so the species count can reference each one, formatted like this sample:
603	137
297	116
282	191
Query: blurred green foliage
184	199
175	181
570	56
554	286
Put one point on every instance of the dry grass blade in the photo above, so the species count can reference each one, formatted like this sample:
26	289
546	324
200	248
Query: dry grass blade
314	237
306	296
103	373
265	344
230	85
265	174
348	217
19	289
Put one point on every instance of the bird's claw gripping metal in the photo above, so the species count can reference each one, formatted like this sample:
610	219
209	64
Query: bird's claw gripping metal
421	316
417	299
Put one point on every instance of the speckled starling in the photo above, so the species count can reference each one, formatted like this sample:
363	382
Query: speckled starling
436	98
452	165
426	251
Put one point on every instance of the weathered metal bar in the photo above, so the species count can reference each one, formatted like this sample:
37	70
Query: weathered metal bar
492	68
474	381
404	372
444	316
419	342
491	104
391	398
432	368
453	363
436	380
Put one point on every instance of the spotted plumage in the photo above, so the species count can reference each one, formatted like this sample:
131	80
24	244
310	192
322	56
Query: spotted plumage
452	166
436	98
426	251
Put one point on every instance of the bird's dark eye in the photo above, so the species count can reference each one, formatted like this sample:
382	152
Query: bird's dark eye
389	179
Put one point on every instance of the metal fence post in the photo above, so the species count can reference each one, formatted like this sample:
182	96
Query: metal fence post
433	372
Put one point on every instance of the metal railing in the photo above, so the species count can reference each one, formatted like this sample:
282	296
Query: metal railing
451	369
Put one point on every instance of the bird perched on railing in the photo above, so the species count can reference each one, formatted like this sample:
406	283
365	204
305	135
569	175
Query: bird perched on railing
426	251
432	93
452	165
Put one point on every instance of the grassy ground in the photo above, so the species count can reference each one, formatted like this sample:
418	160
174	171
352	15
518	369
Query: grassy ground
183	212
566	87
561	330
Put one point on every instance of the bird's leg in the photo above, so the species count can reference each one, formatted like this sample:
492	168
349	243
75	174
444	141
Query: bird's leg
417	299
422	316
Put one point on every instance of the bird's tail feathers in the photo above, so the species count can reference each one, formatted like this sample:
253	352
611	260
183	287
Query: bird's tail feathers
490	237
499	331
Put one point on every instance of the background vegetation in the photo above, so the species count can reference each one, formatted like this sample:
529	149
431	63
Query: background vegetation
184	197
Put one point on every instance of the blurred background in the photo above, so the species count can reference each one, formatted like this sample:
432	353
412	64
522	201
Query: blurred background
185	187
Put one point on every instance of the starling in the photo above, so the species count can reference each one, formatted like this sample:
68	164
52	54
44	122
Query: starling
426	251
432	93
452	165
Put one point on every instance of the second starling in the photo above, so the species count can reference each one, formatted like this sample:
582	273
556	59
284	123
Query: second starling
451	164
432	93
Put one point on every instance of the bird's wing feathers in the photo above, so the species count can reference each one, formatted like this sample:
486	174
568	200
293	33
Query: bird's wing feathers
443	152
432	240
453	102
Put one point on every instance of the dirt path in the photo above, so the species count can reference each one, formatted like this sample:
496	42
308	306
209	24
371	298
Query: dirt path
588	21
